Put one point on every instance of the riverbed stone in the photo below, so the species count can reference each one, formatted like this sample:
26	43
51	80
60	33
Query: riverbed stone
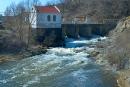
123	79
94	53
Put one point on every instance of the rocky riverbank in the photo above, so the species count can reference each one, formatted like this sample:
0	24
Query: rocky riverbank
99	55
32	51
113	53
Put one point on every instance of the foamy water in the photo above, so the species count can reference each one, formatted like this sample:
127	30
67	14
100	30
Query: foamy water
59	67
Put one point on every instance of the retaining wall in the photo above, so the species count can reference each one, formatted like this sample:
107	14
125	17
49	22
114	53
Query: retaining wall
86	30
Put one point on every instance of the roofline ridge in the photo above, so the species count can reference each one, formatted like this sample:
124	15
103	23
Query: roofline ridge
57	8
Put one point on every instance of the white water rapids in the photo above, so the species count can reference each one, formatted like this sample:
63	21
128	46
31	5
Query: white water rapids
59	67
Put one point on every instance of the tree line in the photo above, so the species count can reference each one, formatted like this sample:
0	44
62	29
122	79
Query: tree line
99	9
17	19
17	15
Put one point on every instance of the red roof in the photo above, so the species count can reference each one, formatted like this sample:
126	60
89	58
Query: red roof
47	9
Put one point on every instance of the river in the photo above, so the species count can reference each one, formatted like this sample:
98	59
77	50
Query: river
60	67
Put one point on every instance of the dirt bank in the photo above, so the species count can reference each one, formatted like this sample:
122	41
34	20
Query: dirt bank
35	50
113	53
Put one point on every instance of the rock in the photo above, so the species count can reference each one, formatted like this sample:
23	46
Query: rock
34	50
123	78
123	25
94	53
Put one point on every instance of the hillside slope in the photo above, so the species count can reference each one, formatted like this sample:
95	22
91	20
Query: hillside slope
96	9
121	46
117	51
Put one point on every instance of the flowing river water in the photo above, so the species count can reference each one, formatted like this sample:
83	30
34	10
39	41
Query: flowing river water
60	67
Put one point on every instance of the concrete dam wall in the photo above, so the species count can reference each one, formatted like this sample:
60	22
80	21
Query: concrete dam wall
86	30
57	35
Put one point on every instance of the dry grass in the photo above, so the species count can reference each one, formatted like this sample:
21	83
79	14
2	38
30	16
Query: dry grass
119	52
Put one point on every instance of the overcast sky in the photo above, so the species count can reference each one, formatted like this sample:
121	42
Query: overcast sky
5	3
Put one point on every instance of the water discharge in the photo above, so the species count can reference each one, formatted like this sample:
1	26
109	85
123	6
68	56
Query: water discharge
59	67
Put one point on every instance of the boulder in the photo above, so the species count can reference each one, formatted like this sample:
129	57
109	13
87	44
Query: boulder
94	53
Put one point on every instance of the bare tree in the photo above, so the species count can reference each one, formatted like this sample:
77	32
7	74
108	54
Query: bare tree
10	13
29	5
63	3
98	9
17	18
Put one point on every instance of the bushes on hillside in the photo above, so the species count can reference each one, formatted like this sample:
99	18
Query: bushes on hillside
119	51
118	57
9	42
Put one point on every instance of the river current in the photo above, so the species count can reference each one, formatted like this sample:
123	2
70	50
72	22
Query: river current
60	67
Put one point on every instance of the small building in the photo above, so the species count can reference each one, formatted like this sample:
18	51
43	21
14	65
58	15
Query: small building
45	17
90	20
46	23
84	20
79	19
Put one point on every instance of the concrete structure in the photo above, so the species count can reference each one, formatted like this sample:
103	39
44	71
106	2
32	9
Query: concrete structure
90	20
86	30
81	19
45	17
110	21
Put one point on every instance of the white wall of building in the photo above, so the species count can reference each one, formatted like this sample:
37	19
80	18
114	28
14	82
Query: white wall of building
40	20
90	21
33	18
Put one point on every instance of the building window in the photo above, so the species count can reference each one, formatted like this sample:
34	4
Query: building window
54	17
48	18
